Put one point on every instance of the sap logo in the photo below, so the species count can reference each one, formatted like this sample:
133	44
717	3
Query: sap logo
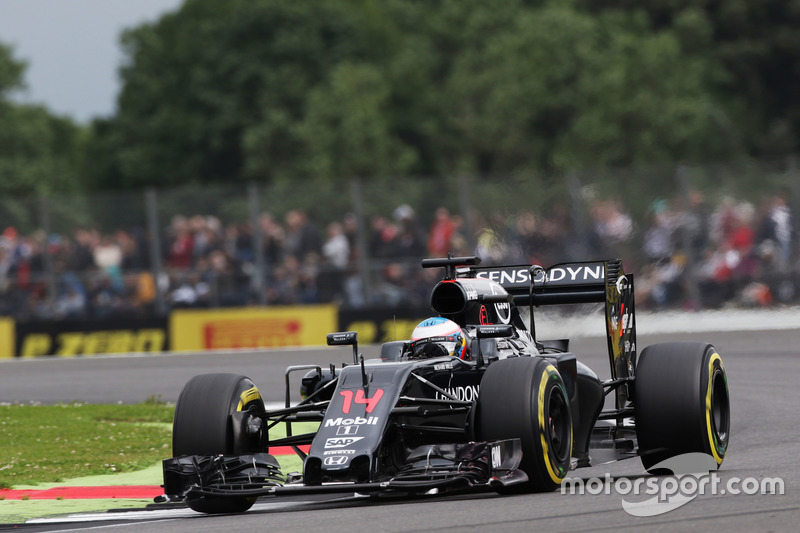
497	457
339	452
466	394
347	430
336	460
357	421
341	442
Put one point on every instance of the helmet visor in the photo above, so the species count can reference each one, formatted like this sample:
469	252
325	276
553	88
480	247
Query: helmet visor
434	347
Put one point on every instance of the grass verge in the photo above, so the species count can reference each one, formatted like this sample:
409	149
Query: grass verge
44	444
53	443
90	445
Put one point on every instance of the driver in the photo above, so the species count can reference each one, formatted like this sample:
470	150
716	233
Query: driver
437	337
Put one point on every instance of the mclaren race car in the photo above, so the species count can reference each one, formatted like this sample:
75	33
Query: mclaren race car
502	410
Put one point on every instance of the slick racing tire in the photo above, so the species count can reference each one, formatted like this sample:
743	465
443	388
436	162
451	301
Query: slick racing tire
525	398
682	403
202	426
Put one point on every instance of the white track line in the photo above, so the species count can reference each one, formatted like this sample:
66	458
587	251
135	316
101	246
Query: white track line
163	514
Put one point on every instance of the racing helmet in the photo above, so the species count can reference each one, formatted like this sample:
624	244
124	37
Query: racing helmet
437	337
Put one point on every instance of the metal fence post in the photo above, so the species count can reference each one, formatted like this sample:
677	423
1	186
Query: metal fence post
576	212
154	232
257	281
794	200
684	190
363	258
465	199
44	220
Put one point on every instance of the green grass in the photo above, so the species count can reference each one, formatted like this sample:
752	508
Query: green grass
54	443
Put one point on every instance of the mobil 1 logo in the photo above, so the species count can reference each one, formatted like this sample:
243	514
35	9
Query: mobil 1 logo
356	421
347	430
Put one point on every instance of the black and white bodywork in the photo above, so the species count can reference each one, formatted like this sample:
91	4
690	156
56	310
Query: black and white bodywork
514	415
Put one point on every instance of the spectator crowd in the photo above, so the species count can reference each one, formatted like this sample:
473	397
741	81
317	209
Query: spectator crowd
687	254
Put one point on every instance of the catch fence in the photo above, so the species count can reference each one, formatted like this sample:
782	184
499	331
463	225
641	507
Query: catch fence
695	237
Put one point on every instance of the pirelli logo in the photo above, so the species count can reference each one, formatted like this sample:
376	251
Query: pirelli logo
69	343
251	333
252	327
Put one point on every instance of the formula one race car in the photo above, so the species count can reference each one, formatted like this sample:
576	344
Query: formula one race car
484	405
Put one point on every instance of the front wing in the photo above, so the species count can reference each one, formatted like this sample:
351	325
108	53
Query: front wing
438	468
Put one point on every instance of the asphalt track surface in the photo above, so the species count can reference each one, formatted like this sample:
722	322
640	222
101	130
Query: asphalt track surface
763	371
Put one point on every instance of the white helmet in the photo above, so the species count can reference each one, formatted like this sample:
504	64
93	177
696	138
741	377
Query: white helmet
438	336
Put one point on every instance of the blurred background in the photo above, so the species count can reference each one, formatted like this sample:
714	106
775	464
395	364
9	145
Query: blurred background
263	153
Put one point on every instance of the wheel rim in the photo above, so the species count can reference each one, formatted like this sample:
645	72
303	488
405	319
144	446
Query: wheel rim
720	408
559	426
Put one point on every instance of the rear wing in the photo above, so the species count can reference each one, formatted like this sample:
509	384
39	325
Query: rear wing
565	283
573	283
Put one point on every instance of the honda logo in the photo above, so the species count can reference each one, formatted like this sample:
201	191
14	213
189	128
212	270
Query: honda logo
336	460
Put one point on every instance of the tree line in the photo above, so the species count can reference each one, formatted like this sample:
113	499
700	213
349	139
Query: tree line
272	91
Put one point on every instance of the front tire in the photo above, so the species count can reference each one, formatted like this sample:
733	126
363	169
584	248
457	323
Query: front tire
682	402
202	426
525	398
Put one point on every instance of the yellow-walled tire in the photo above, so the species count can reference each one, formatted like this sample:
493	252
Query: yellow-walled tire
682	402
202	426
525	398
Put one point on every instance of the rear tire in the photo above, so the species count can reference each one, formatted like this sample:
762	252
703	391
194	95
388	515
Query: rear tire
525	398
682	402
202	426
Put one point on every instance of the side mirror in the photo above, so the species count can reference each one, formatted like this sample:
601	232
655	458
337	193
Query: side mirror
345	338
495	331
492	331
